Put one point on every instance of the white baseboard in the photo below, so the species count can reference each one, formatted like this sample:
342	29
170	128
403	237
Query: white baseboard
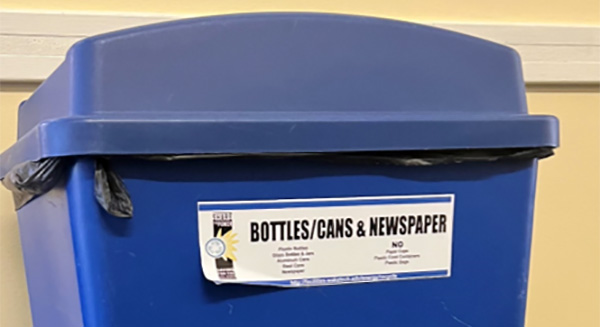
33	44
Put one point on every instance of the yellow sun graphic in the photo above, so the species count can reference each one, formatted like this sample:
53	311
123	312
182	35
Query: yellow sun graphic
230	241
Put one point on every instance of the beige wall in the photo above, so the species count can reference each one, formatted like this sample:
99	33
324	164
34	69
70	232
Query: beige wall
529	11
14	306
564	287
565	269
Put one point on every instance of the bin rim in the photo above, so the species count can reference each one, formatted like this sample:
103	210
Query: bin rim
137	137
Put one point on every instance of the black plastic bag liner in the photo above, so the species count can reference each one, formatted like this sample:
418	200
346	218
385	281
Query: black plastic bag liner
110	191
431	158
33	178
30	179
394	158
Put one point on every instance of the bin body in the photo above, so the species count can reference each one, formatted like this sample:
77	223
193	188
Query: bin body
261	107
145	271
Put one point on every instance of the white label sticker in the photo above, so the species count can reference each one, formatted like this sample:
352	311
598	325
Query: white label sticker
314	242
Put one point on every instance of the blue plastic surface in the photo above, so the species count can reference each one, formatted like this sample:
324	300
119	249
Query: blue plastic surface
146	271
260	83
46	241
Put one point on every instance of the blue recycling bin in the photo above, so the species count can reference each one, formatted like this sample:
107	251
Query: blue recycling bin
278	170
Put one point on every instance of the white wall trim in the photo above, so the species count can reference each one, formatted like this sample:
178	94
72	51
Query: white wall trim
33	44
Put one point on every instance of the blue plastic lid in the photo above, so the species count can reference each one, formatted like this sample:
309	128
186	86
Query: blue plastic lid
270	83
